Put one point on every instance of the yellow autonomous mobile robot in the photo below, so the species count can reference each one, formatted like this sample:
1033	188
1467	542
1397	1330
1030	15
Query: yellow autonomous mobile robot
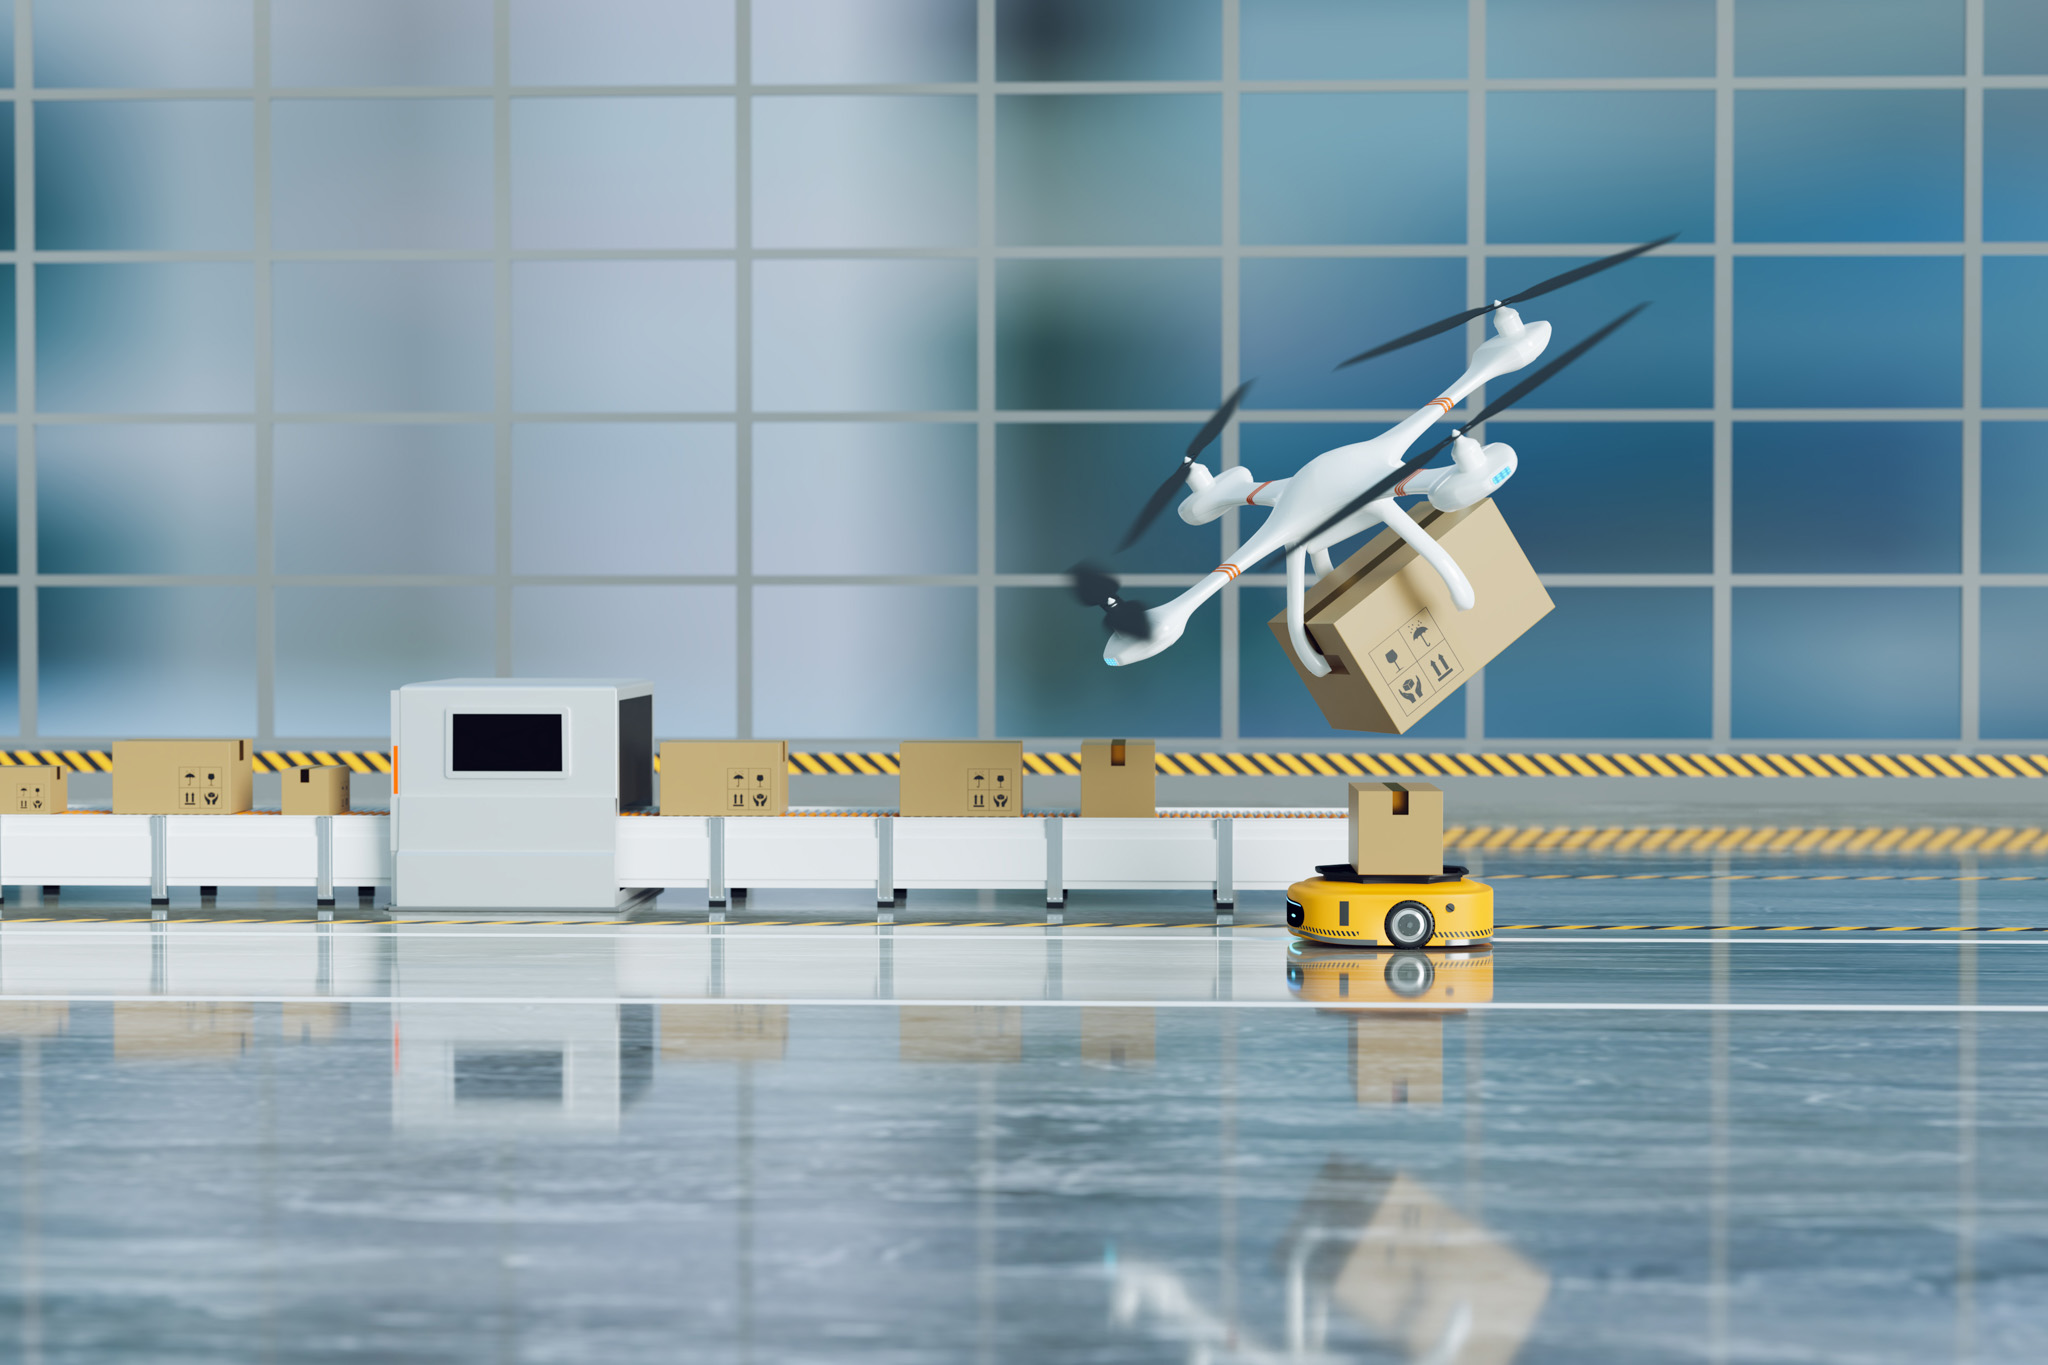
1339	905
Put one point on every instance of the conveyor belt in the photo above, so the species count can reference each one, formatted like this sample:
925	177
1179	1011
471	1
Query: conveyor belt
1306	764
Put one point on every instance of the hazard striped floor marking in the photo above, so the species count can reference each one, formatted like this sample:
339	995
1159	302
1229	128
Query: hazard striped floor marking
1749	877
1305	764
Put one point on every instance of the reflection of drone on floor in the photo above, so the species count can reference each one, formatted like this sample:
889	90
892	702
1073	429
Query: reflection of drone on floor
1317	507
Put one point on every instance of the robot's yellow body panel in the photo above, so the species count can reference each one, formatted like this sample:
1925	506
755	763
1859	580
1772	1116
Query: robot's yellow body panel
1410	914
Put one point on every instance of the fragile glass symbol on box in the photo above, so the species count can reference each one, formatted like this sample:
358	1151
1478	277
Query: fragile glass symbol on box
201	788
1416	662
989	788
747	789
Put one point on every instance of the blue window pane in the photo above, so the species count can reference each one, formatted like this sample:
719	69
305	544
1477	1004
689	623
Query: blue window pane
1849	165
2015	482
380	42
152	44
1662	359
835	482
1344	40
2015	301
1609	663
681	638
1051	681
150	174
1847	663
155	337
1108	170
10	660
1317	168
902	662
7	166
1848	38
381	173
622	173
829	42
1107	334
864	171
1086	40
341	652
1611	497
1599	166
120	663
1041	527
622	336
622	42
146	499
376	336
1273	703
1300	317
627	497
1804	330
2011	702
863	336
2016	164
1900	511
7	500
373	498
2015	38
1599	38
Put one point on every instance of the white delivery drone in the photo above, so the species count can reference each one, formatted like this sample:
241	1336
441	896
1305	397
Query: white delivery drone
1316	508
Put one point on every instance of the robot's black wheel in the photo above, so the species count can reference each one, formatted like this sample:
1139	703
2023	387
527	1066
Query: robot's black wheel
1409	924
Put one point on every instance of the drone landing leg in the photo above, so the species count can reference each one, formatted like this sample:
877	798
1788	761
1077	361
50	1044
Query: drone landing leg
1297	601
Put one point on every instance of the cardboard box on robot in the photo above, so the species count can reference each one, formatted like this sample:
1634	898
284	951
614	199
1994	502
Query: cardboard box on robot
314	790
1119	779
725	777
1396	644
960	777
182	776
1397	829
42	789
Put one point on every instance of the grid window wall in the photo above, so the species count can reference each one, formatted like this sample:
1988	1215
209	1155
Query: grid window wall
788	352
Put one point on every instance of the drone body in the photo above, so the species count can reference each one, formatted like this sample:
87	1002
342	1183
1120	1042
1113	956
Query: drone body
1303	505
1351	489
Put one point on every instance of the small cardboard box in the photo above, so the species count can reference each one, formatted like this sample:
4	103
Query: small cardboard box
1119	779
960	777
725	777
1397	829
1396	644
37	790
315	790
182	776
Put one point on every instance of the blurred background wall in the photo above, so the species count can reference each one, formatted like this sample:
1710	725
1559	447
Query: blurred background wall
788	352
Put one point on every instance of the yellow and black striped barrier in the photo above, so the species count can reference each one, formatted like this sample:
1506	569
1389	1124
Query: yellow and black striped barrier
1308	764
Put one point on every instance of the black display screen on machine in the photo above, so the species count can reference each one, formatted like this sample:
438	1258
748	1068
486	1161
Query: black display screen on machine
508	742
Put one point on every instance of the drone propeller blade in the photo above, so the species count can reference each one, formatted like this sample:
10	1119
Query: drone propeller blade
1163	494
1095	586
1500	404
1572	276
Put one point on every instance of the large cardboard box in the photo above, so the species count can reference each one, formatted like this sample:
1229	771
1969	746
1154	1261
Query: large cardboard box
1119	779
1397	829
315	791
40	790
182	776
725	777
1396	645
960	777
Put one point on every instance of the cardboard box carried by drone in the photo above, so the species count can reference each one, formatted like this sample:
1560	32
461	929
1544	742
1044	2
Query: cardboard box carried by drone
38	790
182	776
1397	829
725	777
960	777
1119	779
1396	645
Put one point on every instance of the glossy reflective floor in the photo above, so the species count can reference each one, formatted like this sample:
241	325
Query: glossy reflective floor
264	1138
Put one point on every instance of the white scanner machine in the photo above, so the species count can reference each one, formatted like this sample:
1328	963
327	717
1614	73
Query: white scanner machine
506	792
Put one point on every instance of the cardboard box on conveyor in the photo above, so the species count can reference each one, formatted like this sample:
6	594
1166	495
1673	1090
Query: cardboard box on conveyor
1397	646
